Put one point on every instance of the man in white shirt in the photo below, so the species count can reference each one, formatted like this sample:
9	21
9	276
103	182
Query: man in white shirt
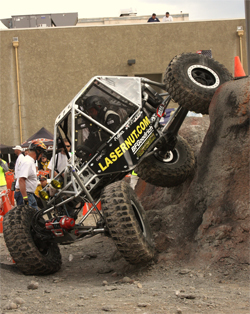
27	173
17	195
61	160
167	18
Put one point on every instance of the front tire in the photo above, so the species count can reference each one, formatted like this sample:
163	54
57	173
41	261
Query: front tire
192	79
127	223
31	255
169	170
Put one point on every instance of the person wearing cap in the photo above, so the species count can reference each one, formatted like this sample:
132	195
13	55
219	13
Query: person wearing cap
41	185
27	173
3	168
153	18
44	162
167	18
17	195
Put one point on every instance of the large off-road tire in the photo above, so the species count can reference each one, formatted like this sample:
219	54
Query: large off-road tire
32	257
127	223
192	79
169	170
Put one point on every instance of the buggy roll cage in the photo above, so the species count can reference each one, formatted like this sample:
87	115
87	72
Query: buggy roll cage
80	180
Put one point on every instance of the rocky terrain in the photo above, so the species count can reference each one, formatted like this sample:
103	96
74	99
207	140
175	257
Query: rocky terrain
95	279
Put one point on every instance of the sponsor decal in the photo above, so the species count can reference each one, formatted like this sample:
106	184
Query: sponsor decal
118	135
160	110
130	122
137	142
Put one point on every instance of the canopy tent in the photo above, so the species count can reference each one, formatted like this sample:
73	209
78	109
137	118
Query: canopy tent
7	153
43	135
5	149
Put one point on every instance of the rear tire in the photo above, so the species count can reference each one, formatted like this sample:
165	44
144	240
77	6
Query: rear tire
127	223
192	79
170	171
31	255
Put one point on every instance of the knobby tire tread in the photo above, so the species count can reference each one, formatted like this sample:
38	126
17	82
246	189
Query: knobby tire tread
159	173
185	92
123	225
22	248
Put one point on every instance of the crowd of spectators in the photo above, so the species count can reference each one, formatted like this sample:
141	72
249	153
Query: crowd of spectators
10	175
42	165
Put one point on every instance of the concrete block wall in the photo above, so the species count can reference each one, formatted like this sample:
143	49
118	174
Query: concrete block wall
55	63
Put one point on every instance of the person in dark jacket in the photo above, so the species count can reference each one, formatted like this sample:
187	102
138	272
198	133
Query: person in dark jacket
153	18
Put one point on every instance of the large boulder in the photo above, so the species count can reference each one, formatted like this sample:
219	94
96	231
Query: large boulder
207	217
164	205
193	130
221	184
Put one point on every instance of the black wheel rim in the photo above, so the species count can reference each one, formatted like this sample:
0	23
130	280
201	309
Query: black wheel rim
203	76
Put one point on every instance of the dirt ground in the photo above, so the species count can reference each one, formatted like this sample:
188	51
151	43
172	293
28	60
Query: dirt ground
95	278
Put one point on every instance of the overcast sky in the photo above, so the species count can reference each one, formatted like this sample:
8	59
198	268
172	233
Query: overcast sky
197	9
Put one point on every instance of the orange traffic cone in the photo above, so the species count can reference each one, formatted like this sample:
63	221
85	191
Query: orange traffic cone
87	207
1	224
238	69
5	203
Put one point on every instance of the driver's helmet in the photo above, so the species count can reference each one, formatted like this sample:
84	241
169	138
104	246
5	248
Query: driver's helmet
38	147
96	105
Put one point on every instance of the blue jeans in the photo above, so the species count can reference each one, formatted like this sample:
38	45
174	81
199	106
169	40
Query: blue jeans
31	198
18	197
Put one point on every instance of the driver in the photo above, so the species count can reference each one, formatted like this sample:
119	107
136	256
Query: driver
99	109
103	112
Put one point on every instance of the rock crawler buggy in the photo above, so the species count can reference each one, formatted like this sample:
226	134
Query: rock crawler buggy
101	157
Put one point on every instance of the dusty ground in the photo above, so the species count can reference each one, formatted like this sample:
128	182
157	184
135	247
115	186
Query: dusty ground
95	279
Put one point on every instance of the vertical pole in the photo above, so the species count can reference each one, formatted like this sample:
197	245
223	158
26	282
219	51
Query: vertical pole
241	52
15	45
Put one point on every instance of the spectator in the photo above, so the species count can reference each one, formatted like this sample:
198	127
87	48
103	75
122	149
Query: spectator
27	173
17	195
61	160
43	183
153	18
3	168
167	18
44	162
26	153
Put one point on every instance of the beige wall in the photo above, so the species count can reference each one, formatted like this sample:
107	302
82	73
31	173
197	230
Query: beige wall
55	63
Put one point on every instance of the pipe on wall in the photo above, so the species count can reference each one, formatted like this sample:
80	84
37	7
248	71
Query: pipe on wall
15	45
